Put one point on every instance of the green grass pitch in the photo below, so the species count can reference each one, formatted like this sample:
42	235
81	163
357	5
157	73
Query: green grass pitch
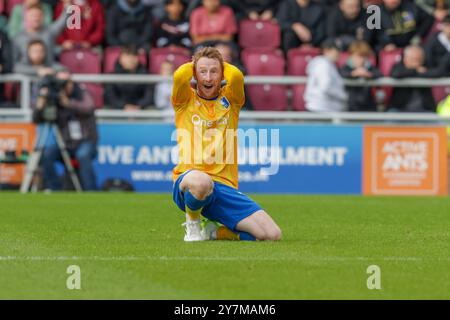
129	246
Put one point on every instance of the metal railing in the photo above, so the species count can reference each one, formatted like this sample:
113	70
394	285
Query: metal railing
24	112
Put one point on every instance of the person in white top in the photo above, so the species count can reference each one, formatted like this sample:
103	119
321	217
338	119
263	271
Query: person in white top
325	91
163	90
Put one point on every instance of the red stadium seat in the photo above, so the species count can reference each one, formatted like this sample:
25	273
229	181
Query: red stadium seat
85	61
12	91
440	93
268	97
2	6
9	5
299	58
81	61
263	62
176	55
259	34
97	91
387	59
266	62
112	54
298	101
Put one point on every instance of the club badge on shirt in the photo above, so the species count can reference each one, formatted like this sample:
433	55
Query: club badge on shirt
224	103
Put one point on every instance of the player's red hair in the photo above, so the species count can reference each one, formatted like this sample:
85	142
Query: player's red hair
207	52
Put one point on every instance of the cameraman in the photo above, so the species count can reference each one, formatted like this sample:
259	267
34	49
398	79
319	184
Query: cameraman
71	107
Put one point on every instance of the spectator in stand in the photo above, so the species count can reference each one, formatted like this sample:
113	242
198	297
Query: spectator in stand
415	99
163	89
16	23
211	23
402	23
5	67
174	28
36	64
302	23
346	22
35	29
129	22
438	46
157	8
328	5
359	66
437	8
260	9
325	90
129	97
235	5
92	27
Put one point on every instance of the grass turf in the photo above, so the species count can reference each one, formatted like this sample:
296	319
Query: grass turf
130	246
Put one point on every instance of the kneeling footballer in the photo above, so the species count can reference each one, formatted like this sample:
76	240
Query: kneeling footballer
206	177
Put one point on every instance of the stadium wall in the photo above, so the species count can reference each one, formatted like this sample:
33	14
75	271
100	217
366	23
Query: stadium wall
312	159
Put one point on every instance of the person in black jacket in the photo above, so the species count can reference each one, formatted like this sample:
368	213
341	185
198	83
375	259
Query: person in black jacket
302	23
5	67
259	9
346	22
129	22
402	22
173	29
359	66
438	46
129	97
414	99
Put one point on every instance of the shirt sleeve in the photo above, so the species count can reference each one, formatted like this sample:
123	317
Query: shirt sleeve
234	88
182	92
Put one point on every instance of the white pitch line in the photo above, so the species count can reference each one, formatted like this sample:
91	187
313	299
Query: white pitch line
187	258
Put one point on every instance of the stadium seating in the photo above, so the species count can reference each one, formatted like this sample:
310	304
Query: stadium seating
268	97
299	58
263	62
298	101
12	91
386	60
111	55
2	6
440	93
85	61
81	61
176	55
9	5
259	34
266	62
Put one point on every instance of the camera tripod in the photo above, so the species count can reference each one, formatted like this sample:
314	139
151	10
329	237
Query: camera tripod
35	157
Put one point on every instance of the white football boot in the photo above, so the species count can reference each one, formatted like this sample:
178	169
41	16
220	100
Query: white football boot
193	231
209	229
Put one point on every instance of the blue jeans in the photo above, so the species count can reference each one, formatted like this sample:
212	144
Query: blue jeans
85	153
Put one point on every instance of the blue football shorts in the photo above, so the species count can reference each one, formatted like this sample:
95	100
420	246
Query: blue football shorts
228	206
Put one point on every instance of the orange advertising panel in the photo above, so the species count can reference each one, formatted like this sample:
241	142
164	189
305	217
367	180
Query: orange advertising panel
14	138
405	161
